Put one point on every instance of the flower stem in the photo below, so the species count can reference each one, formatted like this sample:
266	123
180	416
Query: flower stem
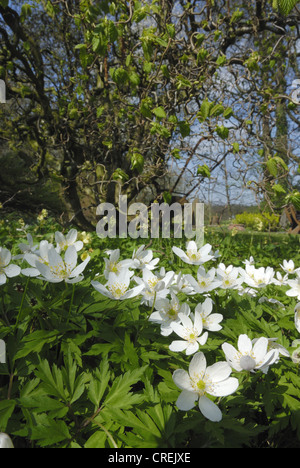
22	302
71	303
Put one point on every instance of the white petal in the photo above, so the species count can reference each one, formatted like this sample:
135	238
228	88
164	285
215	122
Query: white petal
78	245
202	339
44	249
71	257
244	344
12	270
186	400
231	356
77	279
178	345
32	272
260	348
191	245
71	236
5	256
2	279
209	409
197	364
186	321
59	238
207	306
218	371
192	348
190	279
179	252
31	259
198	323
80	268
213	322
133	292
182	379
225	388
44	270
5	441
179	329
101	289
55	259
270	358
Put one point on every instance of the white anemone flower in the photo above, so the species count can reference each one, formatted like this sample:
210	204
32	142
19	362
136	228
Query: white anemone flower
113	264
166	313
249	262
181	284
200	381
29	248
5	441
211	322
294	284
250	355
257	277
280	280
118	286
206	281
193	255
154	286
288	266
229	276
40	255
7	269
63	242
59	269
144	258
190	331
297	317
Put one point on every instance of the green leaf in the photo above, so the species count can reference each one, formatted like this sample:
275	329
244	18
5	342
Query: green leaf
278	188
49	432
159	112
221	60
204	171
182	82
236	147
184	128
97	440
137	162
273	164
120	395
6	409
134	78
35	342
73	383
119	174
119	75
228	113
205	110
216	110
52	381
39	402
286	6
167	197
222	131
99	382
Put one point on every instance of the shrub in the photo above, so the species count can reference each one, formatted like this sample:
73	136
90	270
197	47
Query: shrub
258	221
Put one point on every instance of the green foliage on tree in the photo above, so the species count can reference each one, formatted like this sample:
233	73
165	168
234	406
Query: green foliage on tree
130	87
